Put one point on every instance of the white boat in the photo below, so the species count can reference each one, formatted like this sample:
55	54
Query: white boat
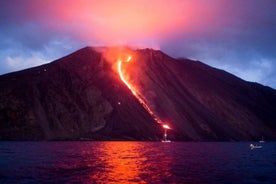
252	146
165	134
166	140
262	140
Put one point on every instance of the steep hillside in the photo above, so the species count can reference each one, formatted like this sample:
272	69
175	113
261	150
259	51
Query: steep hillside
78	96
81	96
201	102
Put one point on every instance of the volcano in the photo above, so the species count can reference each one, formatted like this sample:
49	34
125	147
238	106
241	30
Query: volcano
82	97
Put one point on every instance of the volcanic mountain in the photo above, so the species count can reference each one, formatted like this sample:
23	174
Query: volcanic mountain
82	96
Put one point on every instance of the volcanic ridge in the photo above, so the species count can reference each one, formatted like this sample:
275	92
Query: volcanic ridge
83	97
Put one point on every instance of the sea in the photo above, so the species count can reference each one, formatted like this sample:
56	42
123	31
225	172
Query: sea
136	162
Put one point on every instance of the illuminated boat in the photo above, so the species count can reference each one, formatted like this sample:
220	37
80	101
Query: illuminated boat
166	127
252	146
262	140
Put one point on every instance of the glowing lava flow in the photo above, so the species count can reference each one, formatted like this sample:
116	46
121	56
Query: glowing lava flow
134	91
122	76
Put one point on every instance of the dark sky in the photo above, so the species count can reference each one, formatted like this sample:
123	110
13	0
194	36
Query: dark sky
238	36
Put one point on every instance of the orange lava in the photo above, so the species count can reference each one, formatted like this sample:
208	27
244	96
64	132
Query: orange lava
123	79
166	126
134	91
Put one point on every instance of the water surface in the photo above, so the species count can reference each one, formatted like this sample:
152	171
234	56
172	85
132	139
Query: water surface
136	162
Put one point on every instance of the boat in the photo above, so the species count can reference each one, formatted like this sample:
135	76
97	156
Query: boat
165	138
165	134
262	140
252	146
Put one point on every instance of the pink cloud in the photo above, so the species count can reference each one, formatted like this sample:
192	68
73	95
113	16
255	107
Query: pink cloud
124	21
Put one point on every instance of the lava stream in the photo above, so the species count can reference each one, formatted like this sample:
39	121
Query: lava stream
124	80
134	91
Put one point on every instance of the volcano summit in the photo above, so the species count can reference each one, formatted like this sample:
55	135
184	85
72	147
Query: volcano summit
83	96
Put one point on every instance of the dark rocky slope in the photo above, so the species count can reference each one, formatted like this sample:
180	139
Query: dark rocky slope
81	96
201	102
78	96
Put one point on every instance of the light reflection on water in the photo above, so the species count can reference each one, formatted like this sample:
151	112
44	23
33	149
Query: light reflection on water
131	162
135	162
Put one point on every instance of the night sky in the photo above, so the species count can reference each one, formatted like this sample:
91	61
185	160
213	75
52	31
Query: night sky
238	36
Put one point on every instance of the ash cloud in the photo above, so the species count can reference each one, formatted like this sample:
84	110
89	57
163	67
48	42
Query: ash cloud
231	35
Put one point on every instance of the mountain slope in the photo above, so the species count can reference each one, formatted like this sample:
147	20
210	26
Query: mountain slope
204	103
74	97
82	96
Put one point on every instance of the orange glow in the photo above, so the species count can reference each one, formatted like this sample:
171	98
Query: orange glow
141	23
129	58
126	22
123	160
123	79
133	90
166	127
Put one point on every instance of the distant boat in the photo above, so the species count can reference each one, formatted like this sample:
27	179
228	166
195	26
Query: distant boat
166	140
252	146
262	140
165	134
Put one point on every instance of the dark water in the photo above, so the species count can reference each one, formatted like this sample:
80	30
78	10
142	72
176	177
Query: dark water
136	162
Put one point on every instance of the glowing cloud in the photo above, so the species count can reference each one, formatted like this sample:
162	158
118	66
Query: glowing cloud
206	30
107	22
124	22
